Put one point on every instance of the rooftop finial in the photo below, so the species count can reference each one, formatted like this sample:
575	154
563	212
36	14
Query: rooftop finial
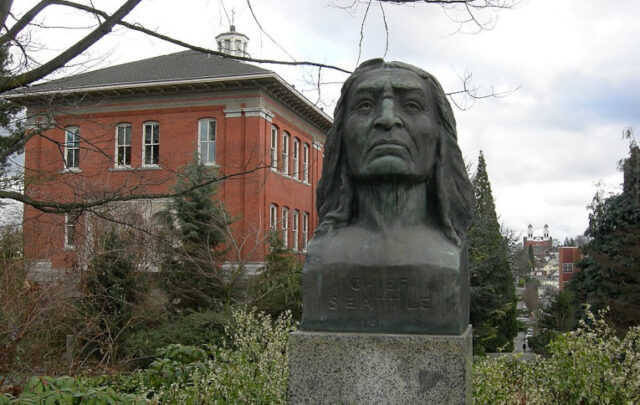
233	20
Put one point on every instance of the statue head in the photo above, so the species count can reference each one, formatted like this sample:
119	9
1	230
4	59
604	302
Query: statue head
393	123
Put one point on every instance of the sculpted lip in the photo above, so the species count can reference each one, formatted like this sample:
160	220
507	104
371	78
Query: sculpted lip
384	144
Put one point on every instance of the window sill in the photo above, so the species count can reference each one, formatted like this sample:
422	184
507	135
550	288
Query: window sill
69	249
214	165
150	167
71	170
121	169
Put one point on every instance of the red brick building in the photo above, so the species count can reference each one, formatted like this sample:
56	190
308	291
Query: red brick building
540	244
567	258
128	129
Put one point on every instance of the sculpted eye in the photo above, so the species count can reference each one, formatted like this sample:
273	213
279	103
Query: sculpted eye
412	106
365	105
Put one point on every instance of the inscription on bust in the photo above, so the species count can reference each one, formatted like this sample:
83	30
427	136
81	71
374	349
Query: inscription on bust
382	294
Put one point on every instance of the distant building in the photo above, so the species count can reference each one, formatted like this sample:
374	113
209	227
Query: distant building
568	256
540	244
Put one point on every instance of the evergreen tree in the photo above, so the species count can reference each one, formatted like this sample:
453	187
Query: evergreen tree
493	298
279	286
192	272
532	258
112	289
610	275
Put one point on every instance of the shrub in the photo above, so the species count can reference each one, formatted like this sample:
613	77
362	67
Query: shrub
590	366
193	329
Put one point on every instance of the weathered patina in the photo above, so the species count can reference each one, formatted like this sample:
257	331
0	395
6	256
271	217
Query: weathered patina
394	204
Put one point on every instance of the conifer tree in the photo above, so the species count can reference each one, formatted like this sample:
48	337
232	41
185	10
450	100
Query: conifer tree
192	254
610	275
493	299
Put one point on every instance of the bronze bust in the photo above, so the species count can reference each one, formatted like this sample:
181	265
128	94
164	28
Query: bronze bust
394	204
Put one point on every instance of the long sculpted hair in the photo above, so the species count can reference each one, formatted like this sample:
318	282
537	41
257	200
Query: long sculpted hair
450	195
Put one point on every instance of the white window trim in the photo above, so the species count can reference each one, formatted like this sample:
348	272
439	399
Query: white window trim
305	231
285	227
273	217
215	141
294	229
285	152
274	148
305	163
122	125
144	145
296	158
67	148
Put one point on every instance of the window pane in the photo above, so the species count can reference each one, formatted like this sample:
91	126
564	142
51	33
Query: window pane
156	133
156	154
128	155
120	136
147	155
212	152
203	130
212	130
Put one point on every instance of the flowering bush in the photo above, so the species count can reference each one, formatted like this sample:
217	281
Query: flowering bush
252	368
589	366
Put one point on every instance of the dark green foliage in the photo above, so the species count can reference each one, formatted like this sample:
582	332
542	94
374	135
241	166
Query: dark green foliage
493	298
278	287
532	258
192	254
194	329
610	275
557	318
112	284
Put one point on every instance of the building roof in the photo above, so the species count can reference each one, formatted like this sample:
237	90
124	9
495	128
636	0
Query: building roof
186	70
181	66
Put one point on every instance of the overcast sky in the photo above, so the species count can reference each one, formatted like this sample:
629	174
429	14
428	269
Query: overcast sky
571	67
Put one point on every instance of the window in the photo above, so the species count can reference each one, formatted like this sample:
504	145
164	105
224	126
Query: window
274	147
296	158
123	145
285	227
70	233
285	153
72	147
305	231
305	163
151	143
273	217
567	267
294	230
207	143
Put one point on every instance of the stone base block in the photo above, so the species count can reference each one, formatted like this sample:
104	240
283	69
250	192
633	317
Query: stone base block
367	368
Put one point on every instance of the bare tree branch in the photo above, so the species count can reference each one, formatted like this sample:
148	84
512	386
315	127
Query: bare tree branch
59	61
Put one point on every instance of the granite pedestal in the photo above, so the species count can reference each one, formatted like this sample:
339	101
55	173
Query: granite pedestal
372	368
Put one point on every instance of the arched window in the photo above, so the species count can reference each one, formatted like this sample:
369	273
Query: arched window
294	229
305	231
207	141
123	145
72	147
273	217
285	152
305	163
150	143
285	227
296	158
274	147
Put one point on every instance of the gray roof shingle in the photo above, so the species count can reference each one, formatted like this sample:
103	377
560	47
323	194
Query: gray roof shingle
187	65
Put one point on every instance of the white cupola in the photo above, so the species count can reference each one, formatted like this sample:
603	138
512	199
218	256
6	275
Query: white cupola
232	42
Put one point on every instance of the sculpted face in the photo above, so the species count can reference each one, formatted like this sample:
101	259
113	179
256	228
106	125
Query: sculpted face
391	125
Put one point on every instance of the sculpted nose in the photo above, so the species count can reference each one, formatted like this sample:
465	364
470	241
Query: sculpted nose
388	117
